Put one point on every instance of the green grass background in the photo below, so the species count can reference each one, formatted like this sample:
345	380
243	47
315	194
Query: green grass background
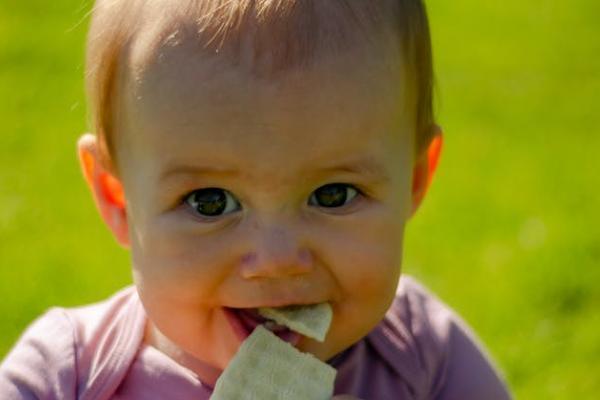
509	234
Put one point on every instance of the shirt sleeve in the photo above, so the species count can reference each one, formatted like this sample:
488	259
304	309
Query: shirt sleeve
42	363
467	371
459	367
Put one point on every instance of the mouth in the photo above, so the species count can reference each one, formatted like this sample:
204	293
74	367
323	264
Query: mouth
245	320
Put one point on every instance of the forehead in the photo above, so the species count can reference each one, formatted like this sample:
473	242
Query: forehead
185	106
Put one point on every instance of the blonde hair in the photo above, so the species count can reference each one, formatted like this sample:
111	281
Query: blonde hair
283	34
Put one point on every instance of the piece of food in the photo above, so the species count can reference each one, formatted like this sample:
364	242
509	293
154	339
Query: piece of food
268	368
312	321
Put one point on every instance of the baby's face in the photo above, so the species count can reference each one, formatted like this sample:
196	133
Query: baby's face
247	193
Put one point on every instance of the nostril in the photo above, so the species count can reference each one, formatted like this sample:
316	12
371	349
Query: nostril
273	265
305	258
249	258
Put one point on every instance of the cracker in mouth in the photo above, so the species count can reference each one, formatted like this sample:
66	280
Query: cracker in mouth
269	368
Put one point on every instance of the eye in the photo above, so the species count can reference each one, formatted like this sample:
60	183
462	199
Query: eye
212	202
333	195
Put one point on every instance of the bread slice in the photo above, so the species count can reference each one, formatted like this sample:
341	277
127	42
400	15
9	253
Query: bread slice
268	368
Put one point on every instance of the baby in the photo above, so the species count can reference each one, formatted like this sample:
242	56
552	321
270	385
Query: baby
256	153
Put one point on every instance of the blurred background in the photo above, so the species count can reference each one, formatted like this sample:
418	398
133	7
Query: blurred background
509	235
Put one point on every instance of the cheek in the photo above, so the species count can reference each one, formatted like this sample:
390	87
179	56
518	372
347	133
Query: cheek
366	264
171	260
191	327
368	260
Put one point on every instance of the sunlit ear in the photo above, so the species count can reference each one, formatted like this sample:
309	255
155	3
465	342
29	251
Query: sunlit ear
106	189
424	169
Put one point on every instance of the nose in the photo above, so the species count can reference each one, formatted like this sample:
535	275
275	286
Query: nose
276	252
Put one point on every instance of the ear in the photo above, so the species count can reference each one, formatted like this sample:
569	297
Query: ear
106	189
424	169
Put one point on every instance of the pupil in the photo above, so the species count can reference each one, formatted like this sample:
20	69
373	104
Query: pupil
211	202
333	195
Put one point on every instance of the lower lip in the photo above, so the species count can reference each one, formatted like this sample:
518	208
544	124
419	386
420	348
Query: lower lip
243	331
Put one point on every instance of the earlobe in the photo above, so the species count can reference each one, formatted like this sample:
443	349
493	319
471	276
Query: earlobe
106	189
425	168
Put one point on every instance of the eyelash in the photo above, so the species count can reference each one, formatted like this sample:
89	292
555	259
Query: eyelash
355	195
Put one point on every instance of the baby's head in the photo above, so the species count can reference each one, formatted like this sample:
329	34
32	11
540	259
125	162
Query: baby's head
259	154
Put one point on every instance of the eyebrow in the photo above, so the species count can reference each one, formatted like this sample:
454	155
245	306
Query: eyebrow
196	170
366	166
370	167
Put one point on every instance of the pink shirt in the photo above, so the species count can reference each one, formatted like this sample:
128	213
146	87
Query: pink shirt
421	350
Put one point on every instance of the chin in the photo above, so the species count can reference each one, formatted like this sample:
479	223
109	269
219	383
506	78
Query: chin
323	351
